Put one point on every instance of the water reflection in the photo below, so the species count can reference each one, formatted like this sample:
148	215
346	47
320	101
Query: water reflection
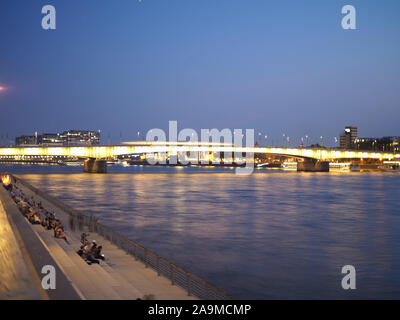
276	235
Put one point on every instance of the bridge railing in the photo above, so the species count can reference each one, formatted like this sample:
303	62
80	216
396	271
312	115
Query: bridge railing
192	284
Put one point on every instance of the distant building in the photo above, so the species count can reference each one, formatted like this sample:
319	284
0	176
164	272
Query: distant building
50	139
385	144
67	138
25	141
345	142
348	137
80	137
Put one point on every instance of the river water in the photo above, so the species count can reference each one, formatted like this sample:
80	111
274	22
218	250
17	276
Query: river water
269	235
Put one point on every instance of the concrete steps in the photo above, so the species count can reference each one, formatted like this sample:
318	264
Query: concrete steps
119	277
91	282
123	288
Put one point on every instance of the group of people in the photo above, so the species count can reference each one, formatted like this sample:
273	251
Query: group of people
90	252
36	213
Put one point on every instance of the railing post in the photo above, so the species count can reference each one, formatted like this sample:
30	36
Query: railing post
188	284
158	266
171	271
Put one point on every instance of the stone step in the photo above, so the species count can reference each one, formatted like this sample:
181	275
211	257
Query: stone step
89	281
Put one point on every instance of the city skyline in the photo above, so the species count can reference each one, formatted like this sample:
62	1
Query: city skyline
260	138
136	65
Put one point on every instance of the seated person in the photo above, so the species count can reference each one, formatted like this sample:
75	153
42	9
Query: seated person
47	223
43	221
23	207
97	253
30	213
59	233
56	224
84	240
31	202
87	254
52	216
93	248
36	218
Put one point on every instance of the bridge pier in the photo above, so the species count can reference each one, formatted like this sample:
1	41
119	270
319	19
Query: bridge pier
95	166
313	165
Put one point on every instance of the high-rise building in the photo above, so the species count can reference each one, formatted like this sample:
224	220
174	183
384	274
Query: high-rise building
345	142
385	144
353	131
348	137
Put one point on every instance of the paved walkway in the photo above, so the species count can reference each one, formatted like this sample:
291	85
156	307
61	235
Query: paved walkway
119	277
16	280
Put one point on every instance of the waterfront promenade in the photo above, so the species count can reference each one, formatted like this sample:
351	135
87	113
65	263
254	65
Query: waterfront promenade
120	276
16	281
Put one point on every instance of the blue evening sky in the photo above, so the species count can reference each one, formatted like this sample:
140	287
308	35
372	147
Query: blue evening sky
275	66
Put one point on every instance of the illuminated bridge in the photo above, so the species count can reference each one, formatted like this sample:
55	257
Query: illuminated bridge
176	148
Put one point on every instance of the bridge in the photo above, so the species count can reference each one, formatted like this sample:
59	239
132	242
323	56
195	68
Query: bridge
103	152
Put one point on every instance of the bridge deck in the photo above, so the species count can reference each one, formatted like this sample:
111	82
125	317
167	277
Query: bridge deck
149	147
120	276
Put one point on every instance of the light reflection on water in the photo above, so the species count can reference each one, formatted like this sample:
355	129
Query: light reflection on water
268	235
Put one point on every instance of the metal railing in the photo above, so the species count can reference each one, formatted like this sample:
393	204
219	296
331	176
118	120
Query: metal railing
193	285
